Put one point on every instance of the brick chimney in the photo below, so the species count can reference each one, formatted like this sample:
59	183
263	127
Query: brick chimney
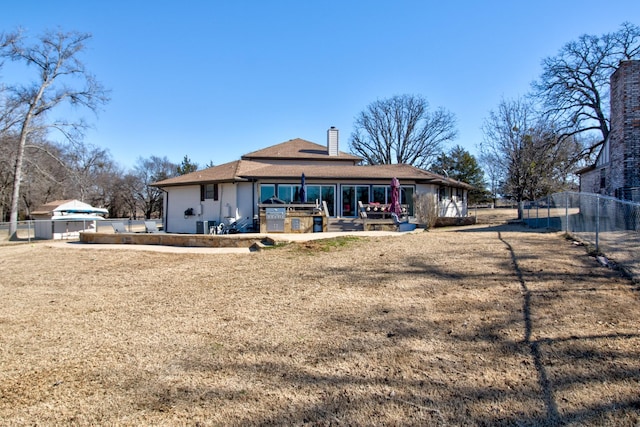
624	138
332	141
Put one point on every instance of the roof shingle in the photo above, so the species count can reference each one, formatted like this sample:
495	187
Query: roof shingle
255	165
298	149
243	170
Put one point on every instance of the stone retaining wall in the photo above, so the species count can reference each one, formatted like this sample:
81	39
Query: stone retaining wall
457	221
189	240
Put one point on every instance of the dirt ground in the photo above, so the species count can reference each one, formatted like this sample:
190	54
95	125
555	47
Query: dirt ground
493	324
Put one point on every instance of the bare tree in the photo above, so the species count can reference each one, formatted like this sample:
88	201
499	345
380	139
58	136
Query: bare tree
402	129
493	172
574	85
86	163
7	108
61	78
116	191
126	196
43	175
148	171
7	156
525	151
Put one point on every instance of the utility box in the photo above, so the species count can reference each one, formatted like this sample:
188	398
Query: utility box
202	227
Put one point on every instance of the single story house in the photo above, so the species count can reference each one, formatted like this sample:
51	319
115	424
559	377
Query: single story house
232	192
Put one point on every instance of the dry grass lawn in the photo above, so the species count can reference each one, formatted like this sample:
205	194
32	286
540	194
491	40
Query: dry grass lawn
487	325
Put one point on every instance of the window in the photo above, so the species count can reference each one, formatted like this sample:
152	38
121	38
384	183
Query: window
289	193
406	198
380	194
603	178
209	191
267	191
445	193
313	193
329	196
322	193
351	195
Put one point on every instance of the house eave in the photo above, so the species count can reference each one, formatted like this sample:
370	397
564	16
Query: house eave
586	169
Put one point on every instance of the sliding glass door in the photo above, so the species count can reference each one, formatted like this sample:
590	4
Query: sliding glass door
323	193
351	195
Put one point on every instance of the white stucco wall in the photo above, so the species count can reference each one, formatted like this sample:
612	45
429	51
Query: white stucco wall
247	196
224	208
426	188
239	202
178	200
451	207
234	202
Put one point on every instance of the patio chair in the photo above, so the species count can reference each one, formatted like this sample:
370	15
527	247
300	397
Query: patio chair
221	229
362	210
213	228
151	227
119	227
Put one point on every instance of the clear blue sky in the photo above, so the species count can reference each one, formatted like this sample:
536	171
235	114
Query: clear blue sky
217	79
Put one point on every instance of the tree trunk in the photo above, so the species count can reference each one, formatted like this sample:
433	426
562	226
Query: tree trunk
17	177
520	209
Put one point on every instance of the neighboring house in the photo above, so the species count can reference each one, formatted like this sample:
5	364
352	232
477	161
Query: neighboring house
68	210
64	219
616	171
232	191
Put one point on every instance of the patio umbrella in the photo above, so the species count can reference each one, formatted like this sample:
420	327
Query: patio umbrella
395	197
303	189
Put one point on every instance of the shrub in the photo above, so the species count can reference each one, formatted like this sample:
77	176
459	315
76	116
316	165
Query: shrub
425	209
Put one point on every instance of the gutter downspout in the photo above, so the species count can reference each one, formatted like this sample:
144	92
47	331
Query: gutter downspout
220	199
165	216
253	201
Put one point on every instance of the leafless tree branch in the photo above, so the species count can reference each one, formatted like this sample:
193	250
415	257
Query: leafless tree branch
401	129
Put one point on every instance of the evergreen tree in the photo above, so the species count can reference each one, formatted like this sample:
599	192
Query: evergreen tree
187	166
460	165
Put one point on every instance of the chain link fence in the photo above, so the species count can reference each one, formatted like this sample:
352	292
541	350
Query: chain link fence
607	225
68	230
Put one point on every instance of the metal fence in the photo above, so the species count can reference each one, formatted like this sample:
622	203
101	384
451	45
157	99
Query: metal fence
610	226
27	230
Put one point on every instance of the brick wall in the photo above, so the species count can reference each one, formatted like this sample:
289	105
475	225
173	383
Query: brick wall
624	170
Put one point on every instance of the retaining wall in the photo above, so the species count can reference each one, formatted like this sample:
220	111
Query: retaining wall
190	240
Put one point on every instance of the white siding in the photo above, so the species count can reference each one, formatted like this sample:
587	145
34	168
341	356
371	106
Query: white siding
239	202
247	200
450	207
179	199
182	198
426	188
227	203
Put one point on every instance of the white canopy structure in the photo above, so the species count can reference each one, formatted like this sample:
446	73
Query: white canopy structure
64	219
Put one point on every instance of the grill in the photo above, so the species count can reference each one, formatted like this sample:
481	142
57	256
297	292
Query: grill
275	219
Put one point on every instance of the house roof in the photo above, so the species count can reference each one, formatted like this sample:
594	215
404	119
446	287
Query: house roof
256	166
245	170
67	206
599	146
49	207
298	149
